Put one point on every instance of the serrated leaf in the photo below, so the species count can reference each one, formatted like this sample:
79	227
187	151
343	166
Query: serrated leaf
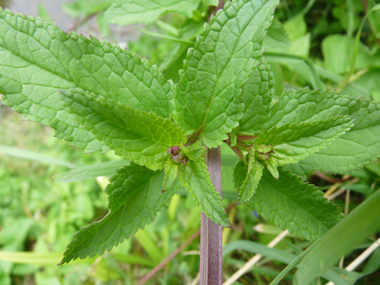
171	171
208	94
272	167
135	198
356	148
125	12
307	105
37	59
195	178
294	205
257	96
134	134
251	182
194	153
294	142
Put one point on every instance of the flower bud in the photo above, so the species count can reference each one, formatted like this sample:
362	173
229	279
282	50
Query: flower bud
175	150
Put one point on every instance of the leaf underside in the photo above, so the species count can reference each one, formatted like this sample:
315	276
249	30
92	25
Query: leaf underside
208	97
135	198
38	58
356	148
196	179
294	142
134	134
125	12
294	205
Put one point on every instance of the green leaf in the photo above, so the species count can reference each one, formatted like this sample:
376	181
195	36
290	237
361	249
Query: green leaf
85	8
272	167
125	12
338	51
277	39
294	142
344	237
350	151
135	197
240	173
294	205
296	27
210	2
208	94
258	248
233	137
257	96
91	171
194	153
38	59
195	178
251	182
306	70
43	12
373	18
171	171
134	134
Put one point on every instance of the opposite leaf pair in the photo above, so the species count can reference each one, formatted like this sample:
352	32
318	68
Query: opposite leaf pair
147	139
289	143
111	99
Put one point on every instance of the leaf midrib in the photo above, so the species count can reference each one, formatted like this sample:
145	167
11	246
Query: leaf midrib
233	52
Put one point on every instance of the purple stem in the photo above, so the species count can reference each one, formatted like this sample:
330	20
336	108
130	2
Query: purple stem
211	233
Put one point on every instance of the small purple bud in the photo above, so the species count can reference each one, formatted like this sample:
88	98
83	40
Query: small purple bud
175	150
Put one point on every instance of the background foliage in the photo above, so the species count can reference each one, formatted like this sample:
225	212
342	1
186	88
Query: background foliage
39	215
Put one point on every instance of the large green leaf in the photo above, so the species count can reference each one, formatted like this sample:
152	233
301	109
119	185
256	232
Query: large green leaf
135	198
134	134
222	60
295	205
351	150
294	142
37	59
124	12
196	179
257	96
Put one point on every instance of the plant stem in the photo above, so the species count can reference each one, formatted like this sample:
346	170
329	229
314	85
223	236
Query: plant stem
210	271
211	233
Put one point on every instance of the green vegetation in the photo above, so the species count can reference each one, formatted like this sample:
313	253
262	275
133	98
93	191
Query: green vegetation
235	90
